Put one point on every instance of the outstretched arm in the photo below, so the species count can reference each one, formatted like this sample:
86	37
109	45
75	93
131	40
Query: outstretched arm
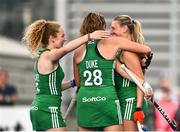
125	44
56	54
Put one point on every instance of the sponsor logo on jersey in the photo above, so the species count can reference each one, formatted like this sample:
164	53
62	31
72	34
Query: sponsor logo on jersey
93	99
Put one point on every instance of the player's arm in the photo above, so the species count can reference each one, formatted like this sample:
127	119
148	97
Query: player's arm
125	44
68	84
132	61
76	80
56	54
76	70
124	74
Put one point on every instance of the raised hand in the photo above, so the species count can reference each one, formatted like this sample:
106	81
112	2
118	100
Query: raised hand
148	91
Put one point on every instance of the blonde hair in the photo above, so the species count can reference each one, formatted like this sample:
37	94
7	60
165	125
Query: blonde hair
134	27
93	21
37	34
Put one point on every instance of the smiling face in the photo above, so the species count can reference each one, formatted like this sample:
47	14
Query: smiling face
59	39
117	29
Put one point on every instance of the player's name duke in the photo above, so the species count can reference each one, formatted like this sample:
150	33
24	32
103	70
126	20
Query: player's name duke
91	64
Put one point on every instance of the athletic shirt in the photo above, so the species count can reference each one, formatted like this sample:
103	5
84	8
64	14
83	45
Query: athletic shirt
95	71
48	84
120	81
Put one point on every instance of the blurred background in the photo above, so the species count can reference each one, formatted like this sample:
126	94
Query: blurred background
161	28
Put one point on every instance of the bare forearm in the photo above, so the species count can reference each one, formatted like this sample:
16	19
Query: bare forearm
140	94
99	34
68	84
57	54
125	75
140	98
133	63
76	73
72	45
138	78
131	46
76	43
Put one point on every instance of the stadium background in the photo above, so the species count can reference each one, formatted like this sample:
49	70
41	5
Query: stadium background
161	29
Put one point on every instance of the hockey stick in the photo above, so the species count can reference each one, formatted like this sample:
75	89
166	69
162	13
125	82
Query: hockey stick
139	126
71	105
172	123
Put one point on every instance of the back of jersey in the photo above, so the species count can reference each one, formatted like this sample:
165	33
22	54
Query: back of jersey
95	71
97	101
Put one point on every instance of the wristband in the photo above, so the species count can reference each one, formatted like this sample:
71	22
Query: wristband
72	83
89	37
138	109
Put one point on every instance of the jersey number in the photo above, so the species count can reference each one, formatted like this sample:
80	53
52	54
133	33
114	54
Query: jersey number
97	75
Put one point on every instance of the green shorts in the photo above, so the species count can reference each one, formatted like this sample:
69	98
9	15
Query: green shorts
45	114
128	101
128	107
98	107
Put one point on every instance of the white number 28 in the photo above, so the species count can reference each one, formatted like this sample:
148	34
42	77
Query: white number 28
96	74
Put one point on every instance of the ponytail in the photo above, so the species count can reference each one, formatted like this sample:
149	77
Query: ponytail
134	27
137	33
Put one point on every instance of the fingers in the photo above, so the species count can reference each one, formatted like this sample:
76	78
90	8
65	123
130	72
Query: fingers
149	91
143	62
100	34
147	61
105	34
149	95
150	55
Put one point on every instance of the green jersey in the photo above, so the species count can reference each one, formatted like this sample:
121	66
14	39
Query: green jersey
45	110
94	70
97	101
48	84
124	86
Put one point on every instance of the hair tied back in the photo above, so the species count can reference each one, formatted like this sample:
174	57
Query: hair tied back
133	21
